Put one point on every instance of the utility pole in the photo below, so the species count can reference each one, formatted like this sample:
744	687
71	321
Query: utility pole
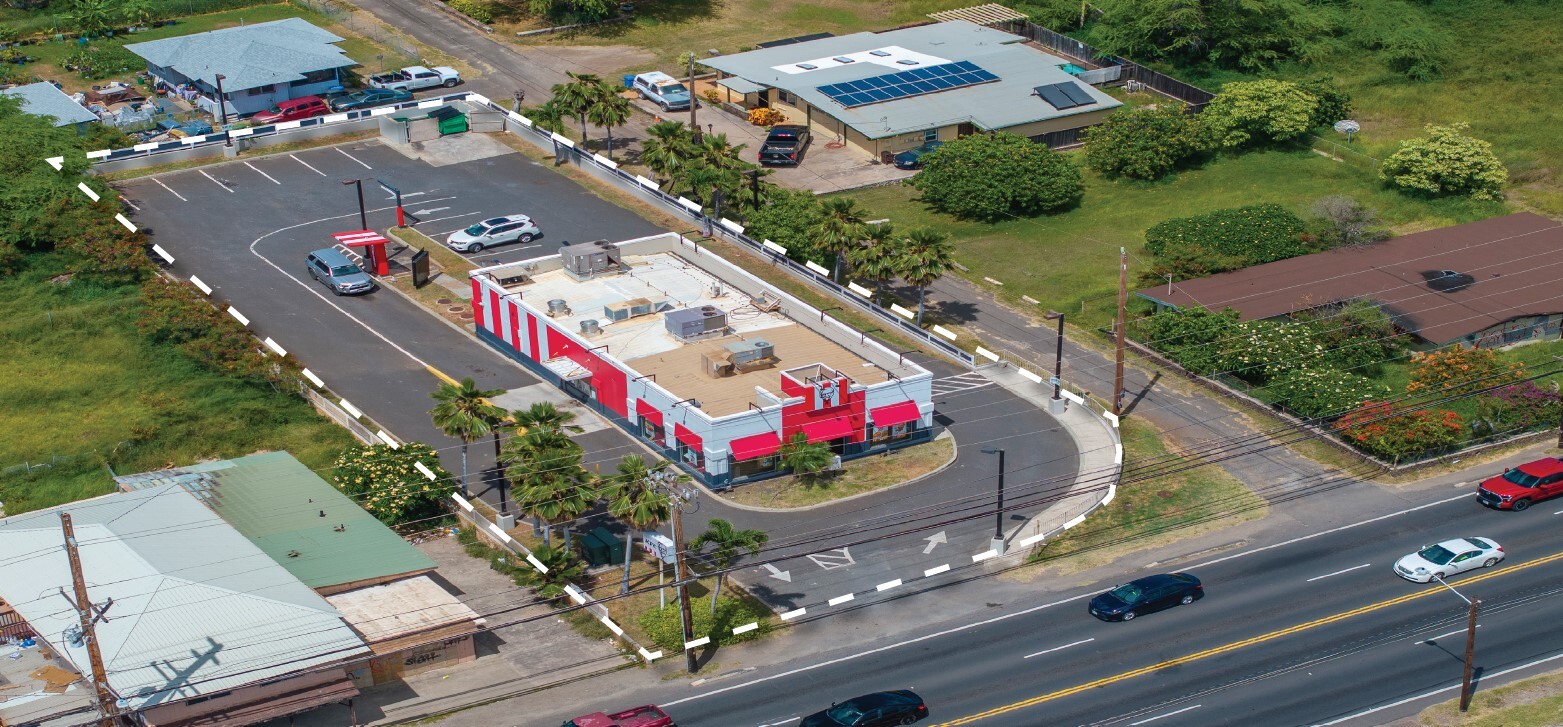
998	508
85	611
694	102
679	500
754	184
1470	654
1123	300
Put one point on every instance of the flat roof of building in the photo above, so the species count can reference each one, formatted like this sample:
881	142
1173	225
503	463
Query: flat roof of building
670	282
805	68
408	607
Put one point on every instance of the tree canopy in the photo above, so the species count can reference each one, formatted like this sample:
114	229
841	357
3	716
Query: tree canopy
1446	162
1259	112
1143	143
1251	35
990	177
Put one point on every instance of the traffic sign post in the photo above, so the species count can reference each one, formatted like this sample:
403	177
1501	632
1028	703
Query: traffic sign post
401	218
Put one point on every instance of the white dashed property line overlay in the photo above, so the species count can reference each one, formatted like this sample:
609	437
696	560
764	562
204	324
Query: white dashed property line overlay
985	353
537	563
1028	542
611	626
897	308
349	408
498	533
87	191
313	379
697	643
984	555
810	264
170	258
197	282
232	311
838	600
860	290
120	218
941	330
746	628
273	345
790	615
931	572
421	467
774	246
387	439
650	655
887	585
57	162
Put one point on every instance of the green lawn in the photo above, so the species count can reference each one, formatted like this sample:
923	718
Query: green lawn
83	390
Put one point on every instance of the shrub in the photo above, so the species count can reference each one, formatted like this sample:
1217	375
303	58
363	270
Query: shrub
785	218
1395	437
1259	112
1516	408
990	177
1460	370
472	9
666	630
1405	39
1322	392
1193	337
1256	234
563	567
1143	143
1446	162
1358	334
1185	263
766	116
174	313
385	482
1339	221
1333	105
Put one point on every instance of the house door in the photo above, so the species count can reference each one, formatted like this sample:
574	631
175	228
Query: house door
965	130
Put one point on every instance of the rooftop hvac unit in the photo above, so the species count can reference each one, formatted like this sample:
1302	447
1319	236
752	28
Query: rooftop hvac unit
625	310
557	307
714	362
743	353
695	322
590	327
590	258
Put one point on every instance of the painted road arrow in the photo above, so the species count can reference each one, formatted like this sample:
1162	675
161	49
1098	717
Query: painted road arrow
934	540
779	574
430	211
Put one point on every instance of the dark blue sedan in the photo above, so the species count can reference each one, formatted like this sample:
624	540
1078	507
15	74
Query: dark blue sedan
913	158
1151	593
369	98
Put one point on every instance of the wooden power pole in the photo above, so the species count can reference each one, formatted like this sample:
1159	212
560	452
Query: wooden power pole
680	572
85	611
694	102
1123	300
1470	653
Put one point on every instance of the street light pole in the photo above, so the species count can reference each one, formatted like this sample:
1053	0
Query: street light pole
1058	357
222	109
363	216
1473	606
998	509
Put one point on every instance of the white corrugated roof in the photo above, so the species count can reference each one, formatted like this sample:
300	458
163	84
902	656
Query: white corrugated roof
248	56
43	99
197	608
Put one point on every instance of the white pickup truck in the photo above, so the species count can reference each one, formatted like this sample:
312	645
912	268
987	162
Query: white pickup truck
413	78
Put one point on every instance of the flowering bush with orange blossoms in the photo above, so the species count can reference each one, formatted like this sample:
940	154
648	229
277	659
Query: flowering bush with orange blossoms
1460	370
1377	429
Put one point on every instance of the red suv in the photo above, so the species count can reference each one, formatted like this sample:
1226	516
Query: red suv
303	107
1517	488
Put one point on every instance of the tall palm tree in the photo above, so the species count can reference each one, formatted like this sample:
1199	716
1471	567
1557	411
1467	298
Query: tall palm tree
725	542
613	110
548	117
717	152
543	415
839	230
465	413
875	259
925	257
635	500
806	459
551	485
667	149
577	97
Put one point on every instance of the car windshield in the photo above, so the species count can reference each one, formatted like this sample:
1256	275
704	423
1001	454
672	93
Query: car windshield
1521	479
844	713
1436	554
671	89
345	270
1128	593
273	109
477	229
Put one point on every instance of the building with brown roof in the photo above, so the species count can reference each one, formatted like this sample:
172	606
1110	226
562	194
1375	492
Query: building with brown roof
1491	283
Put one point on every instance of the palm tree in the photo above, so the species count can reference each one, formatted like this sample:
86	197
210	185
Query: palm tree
465	413
667	149
720	154
635	500
701	179
804	458
544	415
551	485
577	97
726	542
563	568
926	255
613	110
875	260
548	117
839	230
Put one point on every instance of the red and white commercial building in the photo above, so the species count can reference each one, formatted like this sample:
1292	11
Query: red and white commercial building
712	365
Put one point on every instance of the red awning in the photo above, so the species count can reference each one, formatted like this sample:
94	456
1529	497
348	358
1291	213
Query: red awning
828	429
648	412
889	416
690	439
758	445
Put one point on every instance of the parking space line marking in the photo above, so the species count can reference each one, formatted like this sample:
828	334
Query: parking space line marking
350	156
1336	573
263	174
452	217
197	282
445	233
132	205
1159	716
1059	648
273	345
232	311
931	572
87	191
1431	639
301	161
170	189
214	180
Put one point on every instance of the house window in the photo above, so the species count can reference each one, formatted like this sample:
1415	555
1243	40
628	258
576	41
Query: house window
931	135
262	90
787	98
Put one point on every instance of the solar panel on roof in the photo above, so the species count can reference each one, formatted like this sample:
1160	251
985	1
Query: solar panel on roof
1076	94
904	84
1055	96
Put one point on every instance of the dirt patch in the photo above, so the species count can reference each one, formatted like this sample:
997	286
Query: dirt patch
604	60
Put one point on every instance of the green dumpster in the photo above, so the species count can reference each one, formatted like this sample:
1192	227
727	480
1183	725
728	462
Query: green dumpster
613	546
451	121
594	550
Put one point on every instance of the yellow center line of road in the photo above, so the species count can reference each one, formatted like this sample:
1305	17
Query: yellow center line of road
1271	636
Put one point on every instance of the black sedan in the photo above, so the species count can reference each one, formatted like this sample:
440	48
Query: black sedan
871	710
913	158
369	98
1151	593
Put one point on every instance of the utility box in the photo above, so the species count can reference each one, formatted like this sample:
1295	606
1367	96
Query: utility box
613	548
593	550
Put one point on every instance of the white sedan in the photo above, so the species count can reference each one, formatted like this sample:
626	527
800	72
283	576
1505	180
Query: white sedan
494	231
1448	558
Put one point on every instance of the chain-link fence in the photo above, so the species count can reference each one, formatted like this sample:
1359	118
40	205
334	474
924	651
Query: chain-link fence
1340	151
343	15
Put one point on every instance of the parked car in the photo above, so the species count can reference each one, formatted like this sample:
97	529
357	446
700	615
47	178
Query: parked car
341	275
901	706
413	78
662	90
293	109
784	145
913	158
647	716
1448	558
1151	593
1517	488
494	231
369	98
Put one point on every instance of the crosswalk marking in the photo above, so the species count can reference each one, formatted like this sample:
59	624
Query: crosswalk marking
958	383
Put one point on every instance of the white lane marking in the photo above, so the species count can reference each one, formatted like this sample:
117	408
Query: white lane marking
301	161
263	174
197	282
170	189
1058	648
1169	714
1435	638
1425	695
131	204
452	217
214	181
881	649
832	559
1560	512
1336	573
1360	523
350	156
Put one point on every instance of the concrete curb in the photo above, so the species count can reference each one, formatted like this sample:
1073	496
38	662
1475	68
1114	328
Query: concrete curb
954	455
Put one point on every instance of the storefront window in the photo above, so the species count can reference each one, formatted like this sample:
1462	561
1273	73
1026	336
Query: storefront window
650	430
756	466
692	456
883	435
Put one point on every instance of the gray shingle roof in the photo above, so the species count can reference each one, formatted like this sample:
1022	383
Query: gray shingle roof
196	609
43	99
1008	102
248	56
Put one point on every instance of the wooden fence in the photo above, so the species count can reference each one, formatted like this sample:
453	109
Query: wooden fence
1091	58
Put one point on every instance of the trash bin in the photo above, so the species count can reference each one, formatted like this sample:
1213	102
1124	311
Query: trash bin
450	120
629	81
593	550
612	545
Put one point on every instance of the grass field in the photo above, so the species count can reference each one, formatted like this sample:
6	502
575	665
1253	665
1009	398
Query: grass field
856	477
85	392
1534	702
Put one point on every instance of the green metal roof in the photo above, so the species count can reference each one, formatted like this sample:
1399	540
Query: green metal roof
294	516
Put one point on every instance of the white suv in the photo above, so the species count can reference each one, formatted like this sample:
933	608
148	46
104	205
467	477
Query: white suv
494	231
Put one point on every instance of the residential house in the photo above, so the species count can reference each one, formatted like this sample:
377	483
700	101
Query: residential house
46	99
